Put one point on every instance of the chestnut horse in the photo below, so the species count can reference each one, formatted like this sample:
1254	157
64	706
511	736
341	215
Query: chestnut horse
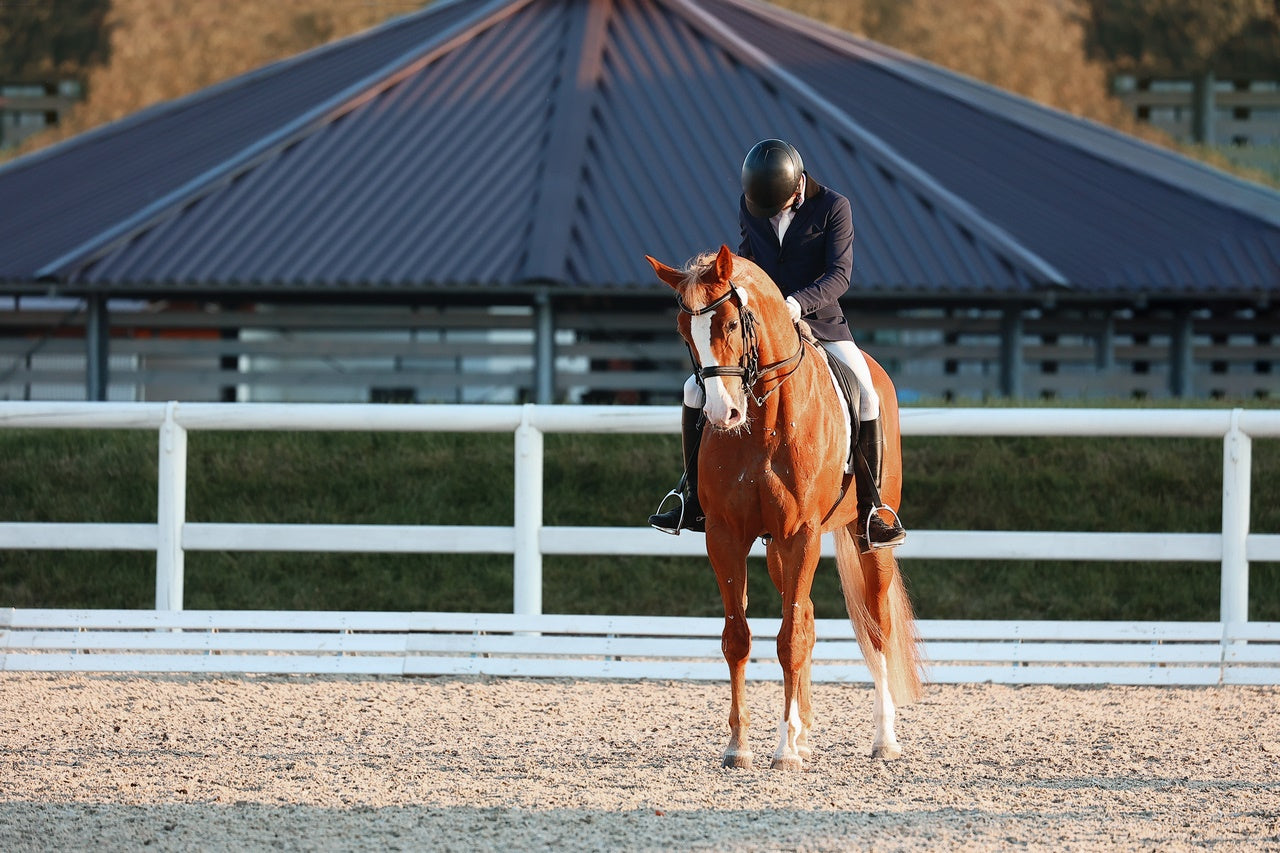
772	465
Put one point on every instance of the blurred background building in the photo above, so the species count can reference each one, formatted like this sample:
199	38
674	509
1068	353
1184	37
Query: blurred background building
454	205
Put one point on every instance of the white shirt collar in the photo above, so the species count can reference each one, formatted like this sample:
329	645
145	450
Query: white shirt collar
782	220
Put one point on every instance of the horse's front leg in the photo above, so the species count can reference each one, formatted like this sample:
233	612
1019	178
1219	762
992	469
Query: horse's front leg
806	704
730	565
792	564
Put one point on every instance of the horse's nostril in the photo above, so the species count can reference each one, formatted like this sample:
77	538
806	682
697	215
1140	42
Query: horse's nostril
733	415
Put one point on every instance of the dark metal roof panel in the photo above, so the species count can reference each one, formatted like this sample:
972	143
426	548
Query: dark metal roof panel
359	198
1112	213
56	199
429	181
682	101
511	142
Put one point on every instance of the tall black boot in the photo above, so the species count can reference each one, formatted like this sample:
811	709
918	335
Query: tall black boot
875	531
687	515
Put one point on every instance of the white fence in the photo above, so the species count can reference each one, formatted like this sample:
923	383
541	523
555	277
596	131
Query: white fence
527	642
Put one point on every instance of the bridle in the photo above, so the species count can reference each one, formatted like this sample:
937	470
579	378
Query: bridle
748	369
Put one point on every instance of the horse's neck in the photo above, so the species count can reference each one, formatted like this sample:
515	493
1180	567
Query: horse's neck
799	403
776	346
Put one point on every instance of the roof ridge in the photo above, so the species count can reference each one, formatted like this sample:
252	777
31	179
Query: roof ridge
909	172
298	128
566	141
1262	201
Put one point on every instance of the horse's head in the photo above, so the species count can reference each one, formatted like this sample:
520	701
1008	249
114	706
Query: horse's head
719	319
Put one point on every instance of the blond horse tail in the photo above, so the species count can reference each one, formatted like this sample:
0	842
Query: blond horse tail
900	649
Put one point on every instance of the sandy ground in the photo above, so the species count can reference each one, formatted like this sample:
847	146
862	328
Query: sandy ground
175	762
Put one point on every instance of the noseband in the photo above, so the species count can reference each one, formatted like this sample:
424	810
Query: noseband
748	369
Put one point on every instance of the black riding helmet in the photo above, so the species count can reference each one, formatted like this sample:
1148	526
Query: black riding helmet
770	175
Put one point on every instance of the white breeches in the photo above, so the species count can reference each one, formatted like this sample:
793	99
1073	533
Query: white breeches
694	397
846	351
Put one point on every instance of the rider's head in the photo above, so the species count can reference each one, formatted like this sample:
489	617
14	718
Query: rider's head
770	177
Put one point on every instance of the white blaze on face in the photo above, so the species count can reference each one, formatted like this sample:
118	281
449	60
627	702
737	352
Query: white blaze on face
720	407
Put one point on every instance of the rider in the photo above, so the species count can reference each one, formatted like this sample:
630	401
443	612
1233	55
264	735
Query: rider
812	269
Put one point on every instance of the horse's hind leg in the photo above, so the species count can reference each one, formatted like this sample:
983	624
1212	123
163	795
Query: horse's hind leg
882	618
897	674
735	641
884	713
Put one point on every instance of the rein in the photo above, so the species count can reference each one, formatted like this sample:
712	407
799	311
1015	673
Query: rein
749	369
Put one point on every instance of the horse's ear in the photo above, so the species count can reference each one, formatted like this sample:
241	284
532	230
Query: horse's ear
724	263
672	277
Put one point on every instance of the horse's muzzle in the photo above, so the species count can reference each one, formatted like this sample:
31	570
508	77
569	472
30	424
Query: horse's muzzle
726	411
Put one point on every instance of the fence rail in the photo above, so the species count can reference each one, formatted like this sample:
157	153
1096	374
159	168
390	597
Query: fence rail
1230	650
504	644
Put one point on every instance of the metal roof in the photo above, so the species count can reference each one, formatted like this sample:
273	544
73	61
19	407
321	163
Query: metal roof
507	143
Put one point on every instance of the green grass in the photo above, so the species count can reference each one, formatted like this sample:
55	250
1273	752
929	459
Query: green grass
610	480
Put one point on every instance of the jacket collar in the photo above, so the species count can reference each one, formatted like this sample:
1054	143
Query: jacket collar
812	189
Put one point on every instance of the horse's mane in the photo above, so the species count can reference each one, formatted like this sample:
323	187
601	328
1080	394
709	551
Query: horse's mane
698	266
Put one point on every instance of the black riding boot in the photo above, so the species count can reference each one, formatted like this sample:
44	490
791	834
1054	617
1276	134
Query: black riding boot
687	515
876	532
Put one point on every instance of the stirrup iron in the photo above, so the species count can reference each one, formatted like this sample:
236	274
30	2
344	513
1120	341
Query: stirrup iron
866	534
678	495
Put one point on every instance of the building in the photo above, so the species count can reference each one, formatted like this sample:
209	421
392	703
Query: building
456	205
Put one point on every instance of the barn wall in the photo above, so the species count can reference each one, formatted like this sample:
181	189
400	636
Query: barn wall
330	353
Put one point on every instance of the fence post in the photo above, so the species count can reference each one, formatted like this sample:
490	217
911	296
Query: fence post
172	511
1237	458
528	517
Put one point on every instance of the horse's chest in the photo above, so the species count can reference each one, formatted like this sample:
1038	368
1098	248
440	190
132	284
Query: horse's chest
751	477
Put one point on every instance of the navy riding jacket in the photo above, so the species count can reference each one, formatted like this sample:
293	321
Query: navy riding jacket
815	259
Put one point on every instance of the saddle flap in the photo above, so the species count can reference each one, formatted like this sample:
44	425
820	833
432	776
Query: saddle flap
850	390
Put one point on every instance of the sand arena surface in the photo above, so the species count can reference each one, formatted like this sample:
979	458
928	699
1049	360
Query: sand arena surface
367	763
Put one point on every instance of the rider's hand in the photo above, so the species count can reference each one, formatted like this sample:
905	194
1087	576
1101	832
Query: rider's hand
794	307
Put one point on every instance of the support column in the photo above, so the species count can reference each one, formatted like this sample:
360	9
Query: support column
1011	352
1203	106
1180	360
97	339
544	355
1105	357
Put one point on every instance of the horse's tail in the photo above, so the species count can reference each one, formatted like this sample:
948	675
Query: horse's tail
891	639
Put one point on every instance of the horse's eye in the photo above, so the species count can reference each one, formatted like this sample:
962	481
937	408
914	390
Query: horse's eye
732	325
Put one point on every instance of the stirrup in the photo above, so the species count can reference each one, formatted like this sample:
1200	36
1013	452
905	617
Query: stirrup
866	533
678	495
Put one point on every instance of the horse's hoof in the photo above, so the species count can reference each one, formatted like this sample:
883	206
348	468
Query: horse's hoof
790	762
805	753
737	760
886	752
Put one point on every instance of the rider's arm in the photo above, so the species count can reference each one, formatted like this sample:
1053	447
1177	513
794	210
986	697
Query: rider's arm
834	281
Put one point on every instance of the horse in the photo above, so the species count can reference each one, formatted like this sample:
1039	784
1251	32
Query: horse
772	466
